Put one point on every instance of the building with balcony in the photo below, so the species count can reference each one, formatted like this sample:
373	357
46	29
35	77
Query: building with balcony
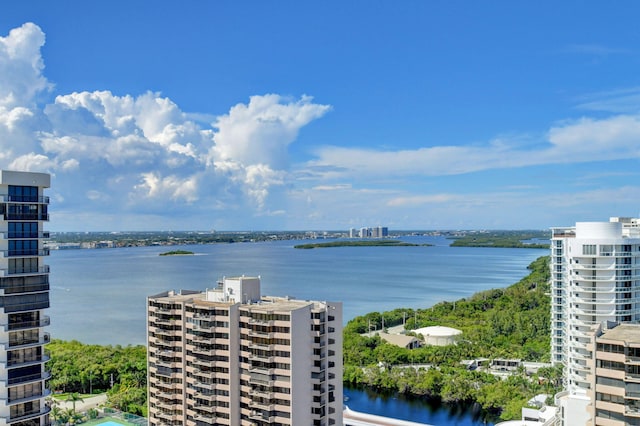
230	356
615	391
595	278
24	298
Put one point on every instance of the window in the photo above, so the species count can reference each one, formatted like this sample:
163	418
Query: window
589	249
23	266
23	229
23	193
23	247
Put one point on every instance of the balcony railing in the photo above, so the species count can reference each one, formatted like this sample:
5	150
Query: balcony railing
19	363
24	343
24	252
26	398
26	216
43	322
18	272
26	379
27	415
6	198
13	235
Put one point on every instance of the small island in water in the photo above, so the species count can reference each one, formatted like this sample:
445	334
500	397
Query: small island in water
177	253
360	243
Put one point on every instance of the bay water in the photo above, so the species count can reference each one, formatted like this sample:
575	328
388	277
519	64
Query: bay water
99	296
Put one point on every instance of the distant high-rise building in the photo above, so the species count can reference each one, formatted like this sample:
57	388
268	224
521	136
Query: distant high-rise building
24	281
229	356
595	278
364	232
379	232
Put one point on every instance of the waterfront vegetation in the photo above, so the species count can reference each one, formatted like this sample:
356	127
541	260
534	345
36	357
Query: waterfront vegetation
359	243
77	368
501	323
176	253
504	239
511	322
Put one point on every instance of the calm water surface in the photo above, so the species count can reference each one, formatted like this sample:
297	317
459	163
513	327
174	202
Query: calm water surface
99	296
412	409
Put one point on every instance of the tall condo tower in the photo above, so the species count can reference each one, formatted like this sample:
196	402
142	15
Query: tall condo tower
229	356
595	277
24	298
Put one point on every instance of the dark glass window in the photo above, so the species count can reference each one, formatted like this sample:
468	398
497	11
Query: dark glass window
23	193
23	229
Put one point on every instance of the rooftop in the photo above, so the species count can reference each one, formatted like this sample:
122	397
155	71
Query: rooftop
628	333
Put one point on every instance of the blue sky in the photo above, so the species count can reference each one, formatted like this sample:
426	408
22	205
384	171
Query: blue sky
287	115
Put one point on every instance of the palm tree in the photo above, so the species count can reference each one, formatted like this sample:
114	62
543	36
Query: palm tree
60	416
74	397
74	418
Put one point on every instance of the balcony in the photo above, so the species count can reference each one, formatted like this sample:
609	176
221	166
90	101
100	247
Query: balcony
12	235
19	272
263	358
168	364
203	385
262	346
206	327
256	333
45	321
207	408
266	323
157	331
199	350
268	394
167	405
27	415
632	410
266	406
262	417
45	393
25	362
166	386
24	253
211	397
6	198
26	343
259	380
26	216
261	370
167	416
616	253
26	379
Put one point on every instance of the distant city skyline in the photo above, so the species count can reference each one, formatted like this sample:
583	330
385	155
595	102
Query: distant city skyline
289	116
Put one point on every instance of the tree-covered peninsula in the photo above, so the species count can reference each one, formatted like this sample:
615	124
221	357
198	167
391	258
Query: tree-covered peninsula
359	243
501	323
503	239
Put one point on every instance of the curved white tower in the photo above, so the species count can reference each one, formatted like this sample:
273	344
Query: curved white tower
595	272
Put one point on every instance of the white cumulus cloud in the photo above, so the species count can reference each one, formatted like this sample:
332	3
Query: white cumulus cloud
259	133
142	153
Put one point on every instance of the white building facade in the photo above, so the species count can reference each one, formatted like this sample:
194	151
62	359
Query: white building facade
595	272
24	298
